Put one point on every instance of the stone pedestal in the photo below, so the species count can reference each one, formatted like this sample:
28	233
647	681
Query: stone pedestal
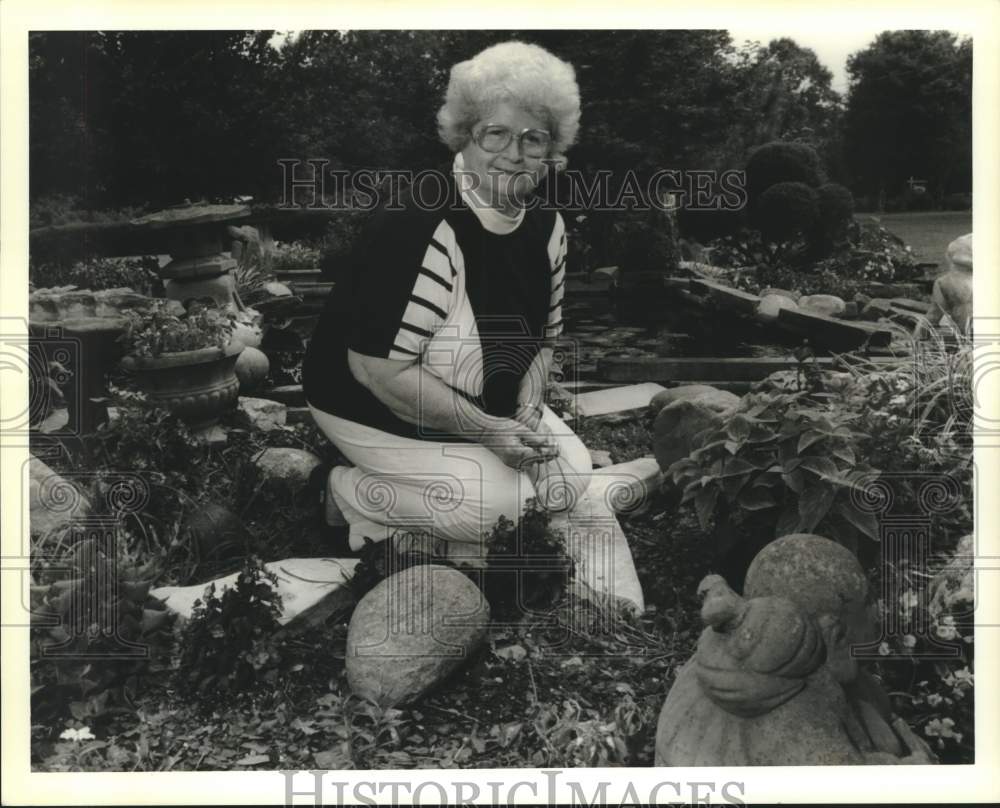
196	235
87	347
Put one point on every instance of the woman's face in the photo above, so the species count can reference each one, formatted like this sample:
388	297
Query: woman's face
506	179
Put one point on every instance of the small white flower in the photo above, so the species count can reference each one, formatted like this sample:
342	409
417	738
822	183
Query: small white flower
947	632
909	642
909	600
77	734
883	648
934	699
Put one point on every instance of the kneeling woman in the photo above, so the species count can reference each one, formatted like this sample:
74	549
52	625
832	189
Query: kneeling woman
429	364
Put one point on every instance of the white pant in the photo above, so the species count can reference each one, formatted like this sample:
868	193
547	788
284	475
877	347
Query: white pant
454	491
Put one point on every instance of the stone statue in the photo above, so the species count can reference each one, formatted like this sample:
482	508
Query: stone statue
952	292
773	682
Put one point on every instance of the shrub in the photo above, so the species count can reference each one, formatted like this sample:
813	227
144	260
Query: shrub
646	240
138	274
786	211
705	225
342	233
778	162
836	206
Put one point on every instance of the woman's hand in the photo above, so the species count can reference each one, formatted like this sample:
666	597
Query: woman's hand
519	447
530	414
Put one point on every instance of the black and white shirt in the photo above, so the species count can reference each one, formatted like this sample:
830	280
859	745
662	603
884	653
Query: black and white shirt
470	294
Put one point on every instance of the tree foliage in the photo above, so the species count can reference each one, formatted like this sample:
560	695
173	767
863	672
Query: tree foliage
153	117
909	112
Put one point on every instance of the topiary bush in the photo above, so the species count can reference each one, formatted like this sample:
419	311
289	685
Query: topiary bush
646	241
779	162
786	211
836	208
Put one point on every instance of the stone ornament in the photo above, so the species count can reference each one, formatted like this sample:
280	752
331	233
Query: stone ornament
773	682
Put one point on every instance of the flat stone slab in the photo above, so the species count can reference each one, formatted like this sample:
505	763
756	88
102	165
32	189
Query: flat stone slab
828	332
311	588
727	297
191	214
606	274
290	394
616	399
706	370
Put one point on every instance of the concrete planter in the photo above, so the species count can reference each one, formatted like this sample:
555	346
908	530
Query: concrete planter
197	386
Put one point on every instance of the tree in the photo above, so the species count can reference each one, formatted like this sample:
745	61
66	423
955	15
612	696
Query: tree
909	112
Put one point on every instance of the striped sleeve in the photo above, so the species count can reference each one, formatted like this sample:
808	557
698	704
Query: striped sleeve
430	297
557	261
405	290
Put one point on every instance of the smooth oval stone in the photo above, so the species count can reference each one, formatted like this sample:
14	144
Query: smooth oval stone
411	631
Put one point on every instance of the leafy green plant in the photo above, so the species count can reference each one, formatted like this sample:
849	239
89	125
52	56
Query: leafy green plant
581	736
95	629
527	564
158	330
228	646
782	461
295	255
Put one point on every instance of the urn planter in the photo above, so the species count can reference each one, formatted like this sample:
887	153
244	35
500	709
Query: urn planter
197	386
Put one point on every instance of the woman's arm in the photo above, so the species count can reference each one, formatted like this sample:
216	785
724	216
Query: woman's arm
531	395
419	397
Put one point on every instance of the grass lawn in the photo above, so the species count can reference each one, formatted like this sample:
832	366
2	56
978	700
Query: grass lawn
927	232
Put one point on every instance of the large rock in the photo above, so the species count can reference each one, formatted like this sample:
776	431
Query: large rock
774	290
285	467
680	428
771	305
262	413
720	401
830	305
876	308
411	631
215	530
53	500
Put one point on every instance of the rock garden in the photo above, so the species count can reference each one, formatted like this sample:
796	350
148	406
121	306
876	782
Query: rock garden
777	541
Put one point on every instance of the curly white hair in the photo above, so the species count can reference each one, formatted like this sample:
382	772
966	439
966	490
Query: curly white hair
516	72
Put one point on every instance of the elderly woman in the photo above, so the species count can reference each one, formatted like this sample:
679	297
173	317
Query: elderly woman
429	364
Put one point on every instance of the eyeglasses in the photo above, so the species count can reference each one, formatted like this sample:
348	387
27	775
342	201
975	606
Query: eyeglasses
495	137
